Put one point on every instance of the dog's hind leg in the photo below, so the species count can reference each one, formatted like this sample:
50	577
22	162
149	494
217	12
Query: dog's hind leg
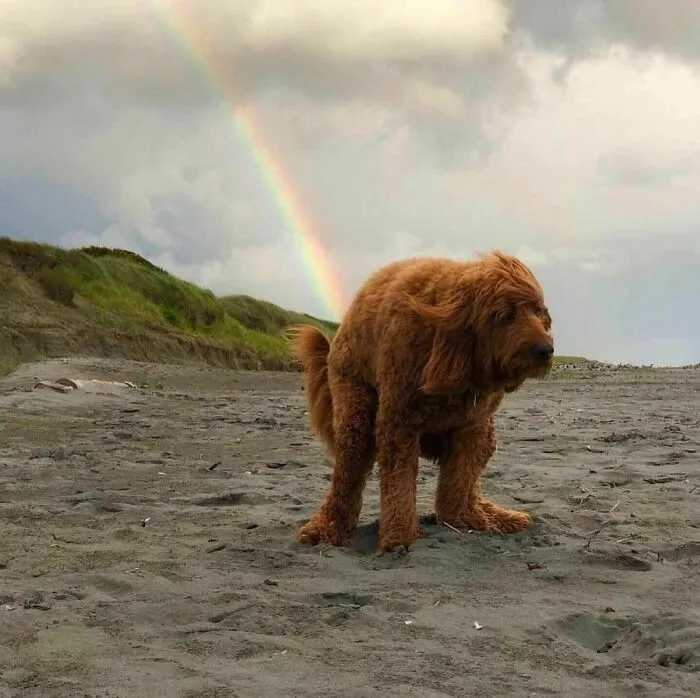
354	411
458	499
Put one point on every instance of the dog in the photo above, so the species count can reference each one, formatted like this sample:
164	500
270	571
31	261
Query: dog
419	366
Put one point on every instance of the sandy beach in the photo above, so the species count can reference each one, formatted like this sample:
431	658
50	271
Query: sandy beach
148	546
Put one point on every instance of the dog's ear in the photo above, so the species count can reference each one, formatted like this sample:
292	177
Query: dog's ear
449	366
449	316
453	365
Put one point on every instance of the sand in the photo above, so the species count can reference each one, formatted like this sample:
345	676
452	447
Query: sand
148	546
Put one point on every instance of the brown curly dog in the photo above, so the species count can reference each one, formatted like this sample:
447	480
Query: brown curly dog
419	367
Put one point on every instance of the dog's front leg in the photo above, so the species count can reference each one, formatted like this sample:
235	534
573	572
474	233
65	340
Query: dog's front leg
398	451
458	499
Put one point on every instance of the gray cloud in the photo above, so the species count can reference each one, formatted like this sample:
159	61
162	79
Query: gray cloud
641	168
580	27
406	54
635	308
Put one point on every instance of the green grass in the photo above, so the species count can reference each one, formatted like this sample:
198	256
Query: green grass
268	317
118	296
571	360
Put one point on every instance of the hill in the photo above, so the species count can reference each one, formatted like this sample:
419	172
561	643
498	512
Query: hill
114	303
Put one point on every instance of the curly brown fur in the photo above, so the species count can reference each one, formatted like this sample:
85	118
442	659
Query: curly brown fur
420	365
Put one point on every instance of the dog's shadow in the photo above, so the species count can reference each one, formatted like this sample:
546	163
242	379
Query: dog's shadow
365	541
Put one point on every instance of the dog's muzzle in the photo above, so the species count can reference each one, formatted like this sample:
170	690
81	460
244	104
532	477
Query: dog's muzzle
542	353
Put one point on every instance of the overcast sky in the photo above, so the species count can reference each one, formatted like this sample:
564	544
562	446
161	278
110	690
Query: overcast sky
564	131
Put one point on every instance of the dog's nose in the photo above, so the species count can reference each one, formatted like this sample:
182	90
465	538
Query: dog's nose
543	352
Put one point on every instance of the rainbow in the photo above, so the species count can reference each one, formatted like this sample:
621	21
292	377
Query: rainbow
195	44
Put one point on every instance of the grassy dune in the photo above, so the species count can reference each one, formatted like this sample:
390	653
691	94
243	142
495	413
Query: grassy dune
572	360
104	302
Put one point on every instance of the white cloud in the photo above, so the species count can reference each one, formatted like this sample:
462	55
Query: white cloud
546	171
402	52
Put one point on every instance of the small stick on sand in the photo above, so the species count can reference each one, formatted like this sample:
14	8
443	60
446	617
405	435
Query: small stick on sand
451	527
536	566
59	539
584	498
591	536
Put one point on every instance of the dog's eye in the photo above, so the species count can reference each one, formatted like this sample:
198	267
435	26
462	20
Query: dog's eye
543	314
506	315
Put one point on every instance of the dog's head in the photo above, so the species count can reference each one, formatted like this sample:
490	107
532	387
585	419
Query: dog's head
493	332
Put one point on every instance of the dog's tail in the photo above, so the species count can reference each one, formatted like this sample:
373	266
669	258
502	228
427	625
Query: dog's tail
311	347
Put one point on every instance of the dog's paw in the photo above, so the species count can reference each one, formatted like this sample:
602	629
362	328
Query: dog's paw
487	518
471	520
395	553
320	530
513	522
503	520
398	542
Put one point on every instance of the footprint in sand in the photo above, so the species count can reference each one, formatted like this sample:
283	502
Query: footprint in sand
670	641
